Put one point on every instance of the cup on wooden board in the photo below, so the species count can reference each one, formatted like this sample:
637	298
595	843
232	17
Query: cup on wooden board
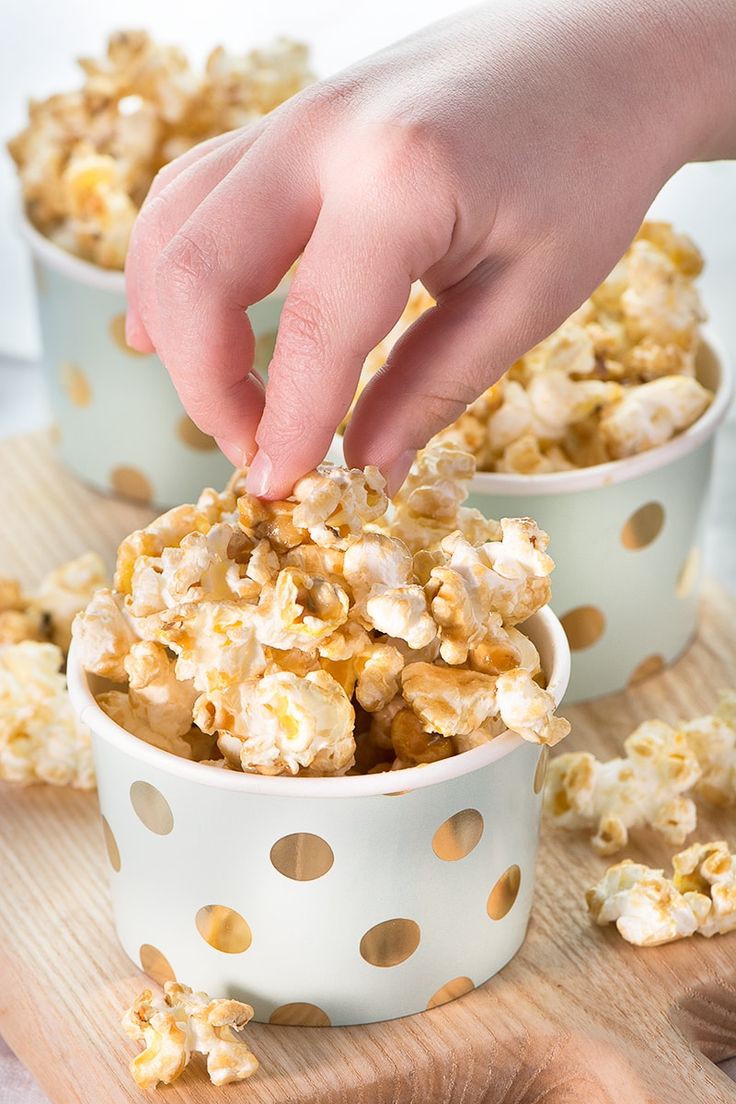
323	900
627	541
119	423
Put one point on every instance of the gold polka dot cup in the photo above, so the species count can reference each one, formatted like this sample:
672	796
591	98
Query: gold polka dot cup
323	901
121	427
627	539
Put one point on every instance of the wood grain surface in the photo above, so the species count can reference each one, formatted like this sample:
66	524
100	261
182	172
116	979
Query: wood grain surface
578	1017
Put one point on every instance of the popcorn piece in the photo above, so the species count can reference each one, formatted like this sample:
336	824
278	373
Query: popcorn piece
64	592
427	506
181	1023
299	611
282	723
216	643
645	906
336	504
448	700
649	909
378	569
17	625
413	744
528	709
646	787
104	635
649	415
713	740
40	739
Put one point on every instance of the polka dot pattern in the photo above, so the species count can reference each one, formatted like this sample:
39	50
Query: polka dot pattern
302	856
390	942
689	573
224	929
75	384
648	667
458	987
116	329
584	626
504	893
299	1015
192	436
151	808
541	771
458	835
643	527
155	964
111	845
131	483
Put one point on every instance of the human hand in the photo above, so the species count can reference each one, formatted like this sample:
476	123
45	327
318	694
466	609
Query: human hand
505	157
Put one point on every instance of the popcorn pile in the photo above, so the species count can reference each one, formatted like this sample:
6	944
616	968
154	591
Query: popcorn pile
326	634
649	909
87	158
40	738
647	787
181	1023
616	379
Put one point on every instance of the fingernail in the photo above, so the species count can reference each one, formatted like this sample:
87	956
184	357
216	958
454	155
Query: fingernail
258	482
233	452
397	471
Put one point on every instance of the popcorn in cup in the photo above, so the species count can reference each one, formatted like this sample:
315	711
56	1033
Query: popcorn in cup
367	651
628	538
121	427
85	161
323	900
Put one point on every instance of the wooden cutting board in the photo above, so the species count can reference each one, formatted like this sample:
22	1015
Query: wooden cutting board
579	1017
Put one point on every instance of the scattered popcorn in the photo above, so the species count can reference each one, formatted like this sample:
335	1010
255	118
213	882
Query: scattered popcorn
649	908
87	158
644	788
615	379
180	1023
40	738
48	613
317	635
713	740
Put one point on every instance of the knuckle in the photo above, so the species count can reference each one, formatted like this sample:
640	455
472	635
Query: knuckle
303	327
188	262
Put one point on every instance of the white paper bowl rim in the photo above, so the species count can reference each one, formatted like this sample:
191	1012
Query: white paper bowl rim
90	714
82	271
618	471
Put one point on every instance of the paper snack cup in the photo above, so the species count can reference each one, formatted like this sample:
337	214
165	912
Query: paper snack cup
121	426
323	900
627	539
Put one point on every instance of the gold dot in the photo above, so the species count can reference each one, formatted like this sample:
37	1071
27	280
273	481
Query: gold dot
111	845
583	625
458	835
644	526
193	437
224	929
300	1015
116	329
652	665
131	483
504	893
155	964
55	434
152	808
391	942
302	856
458	987
541	772
688	577
75	384
263	354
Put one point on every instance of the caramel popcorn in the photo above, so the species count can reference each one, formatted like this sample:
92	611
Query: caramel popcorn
87	158
649	909
40	738
615	379
644	788
314	636
180	1023
48	613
